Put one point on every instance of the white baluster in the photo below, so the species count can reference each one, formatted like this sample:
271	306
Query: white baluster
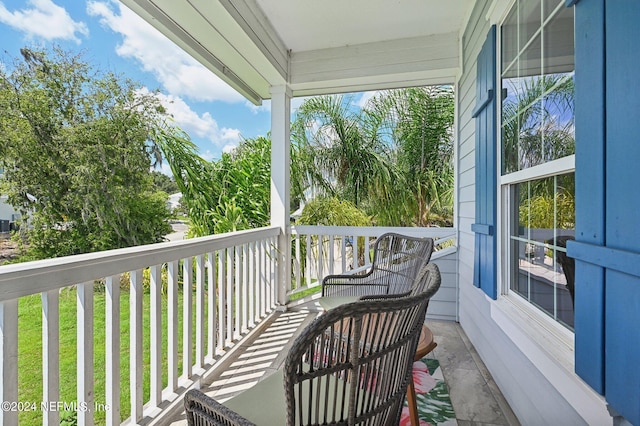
50	354
229	302
85	353
112	349
211	301
187	318
156	335
172	325
199	361
135	344
222	298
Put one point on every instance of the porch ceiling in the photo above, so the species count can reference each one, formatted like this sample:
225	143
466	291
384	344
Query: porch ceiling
316	46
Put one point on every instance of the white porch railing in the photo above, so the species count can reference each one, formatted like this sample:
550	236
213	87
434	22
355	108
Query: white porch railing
324	250
232	286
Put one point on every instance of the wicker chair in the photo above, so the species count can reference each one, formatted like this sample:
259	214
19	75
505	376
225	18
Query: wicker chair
396	262
350	366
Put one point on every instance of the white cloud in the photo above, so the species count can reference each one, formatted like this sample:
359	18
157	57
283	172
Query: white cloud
177	72
296	102
209	156
164	168
203	126
265	107
228	148
364	98
43	19
230	134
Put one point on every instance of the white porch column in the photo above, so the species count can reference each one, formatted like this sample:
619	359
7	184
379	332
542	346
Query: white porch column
280	185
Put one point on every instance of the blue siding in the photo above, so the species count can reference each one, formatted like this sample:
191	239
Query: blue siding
484	273
608	201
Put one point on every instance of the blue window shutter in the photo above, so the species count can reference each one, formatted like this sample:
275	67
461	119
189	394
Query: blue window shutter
484	268
607	246
590	190
622	281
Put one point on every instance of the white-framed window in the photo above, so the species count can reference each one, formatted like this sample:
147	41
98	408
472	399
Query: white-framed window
538	155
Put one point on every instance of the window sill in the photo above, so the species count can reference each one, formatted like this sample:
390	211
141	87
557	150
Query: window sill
539	337
550	348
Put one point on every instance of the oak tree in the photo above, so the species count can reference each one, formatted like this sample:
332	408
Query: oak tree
76	146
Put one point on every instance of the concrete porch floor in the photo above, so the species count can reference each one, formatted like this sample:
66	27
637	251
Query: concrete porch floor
475	397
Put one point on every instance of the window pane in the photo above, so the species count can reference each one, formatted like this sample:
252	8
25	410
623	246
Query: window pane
565	203
537	127
529	16
537	87
559	43
510	146
543	219
549	6
509	36
510	125
521	112
558	129
530	136
530	60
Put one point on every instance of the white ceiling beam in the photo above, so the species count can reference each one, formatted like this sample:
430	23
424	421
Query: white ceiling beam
206	31
396	81
236	40
261	32
430	59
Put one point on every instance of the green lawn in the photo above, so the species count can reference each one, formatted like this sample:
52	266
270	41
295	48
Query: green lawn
30	351
306	292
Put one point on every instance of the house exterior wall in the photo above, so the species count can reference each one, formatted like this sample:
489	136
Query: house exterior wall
533	367
443	305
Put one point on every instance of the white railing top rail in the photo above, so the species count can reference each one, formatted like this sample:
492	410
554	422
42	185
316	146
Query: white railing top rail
436	255
373	231
22	279
444	252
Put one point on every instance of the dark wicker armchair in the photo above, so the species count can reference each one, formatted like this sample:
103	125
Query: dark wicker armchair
396	262
350	366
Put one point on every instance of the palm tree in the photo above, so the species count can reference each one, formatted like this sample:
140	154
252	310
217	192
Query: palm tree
391	159
193	175
537	117
420	127
339	154
225	195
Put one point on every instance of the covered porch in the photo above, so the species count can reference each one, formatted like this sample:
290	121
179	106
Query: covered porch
152	322
171	313
474	395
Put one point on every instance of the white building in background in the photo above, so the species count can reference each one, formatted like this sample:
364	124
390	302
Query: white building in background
174	201
8	214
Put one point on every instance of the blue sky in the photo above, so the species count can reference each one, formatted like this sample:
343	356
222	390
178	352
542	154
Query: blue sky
115	39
